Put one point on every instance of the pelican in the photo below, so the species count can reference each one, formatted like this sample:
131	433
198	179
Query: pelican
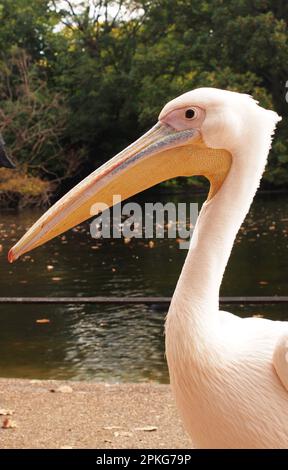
229	375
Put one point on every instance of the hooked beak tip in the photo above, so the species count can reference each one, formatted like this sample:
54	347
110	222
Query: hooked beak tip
11	256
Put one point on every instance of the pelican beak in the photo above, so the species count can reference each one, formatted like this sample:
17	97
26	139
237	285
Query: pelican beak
4	159
160	154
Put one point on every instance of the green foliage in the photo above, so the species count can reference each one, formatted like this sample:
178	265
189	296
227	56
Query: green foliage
85	78
33	119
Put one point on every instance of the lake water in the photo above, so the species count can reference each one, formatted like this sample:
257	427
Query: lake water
121	343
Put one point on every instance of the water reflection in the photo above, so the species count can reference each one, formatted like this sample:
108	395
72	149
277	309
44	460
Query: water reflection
83	342
122	343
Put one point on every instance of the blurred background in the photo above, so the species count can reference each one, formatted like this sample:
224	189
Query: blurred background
79	80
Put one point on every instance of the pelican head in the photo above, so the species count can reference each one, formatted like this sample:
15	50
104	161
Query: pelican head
196	134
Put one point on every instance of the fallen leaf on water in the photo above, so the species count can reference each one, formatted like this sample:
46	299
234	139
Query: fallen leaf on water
263	283
8	424
146	428
43	320
56	278
49	267
4	412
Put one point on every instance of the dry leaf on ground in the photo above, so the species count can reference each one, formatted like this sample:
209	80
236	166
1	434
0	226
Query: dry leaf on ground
64	389
123	434
4	412
8	424
146	428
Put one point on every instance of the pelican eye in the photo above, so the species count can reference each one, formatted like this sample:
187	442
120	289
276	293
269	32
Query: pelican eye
190	113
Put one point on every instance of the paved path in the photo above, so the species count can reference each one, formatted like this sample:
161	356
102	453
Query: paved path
52	414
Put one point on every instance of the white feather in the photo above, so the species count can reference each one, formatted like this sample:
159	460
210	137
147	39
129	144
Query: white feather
227	389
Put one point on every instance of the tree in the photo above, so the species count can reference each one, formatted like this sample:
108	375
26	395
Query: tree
85	78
